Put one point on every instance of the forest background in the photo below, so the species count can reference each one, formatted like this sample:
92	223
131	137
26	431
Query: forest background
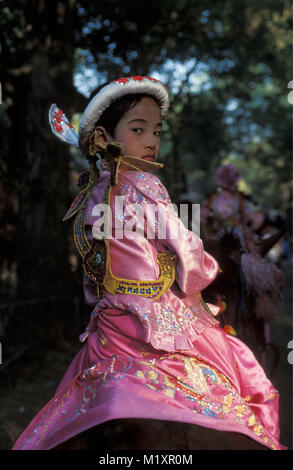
228	66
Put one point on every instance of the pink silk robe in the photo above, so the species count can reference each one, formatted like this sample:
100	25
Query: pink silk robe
164	359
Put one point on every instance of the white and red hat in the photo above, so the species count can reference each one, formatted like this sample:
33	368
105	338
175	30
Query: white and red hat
62	128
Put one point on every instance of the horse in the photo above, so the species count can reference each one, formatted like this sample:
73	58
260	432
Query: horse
247	290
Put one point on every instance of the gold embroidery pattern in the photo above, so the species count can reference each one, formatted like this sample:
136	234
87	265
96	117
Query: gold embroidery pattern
167	320
96	260
213	395
148	289
198	386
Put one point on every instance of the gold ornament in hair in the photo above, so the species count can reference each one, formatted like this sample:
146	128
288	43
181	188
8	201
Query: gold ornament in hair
112	152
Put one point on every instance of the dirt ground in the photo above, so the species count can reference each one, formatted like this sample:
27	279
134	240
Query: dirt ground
33	383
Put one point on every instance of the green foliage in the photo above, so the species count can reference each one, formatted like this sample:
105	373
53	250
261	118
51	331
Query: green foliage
227	65
240	111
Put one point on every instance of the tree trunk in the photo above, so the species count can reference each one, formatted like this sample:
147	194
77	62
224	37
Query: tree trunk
40	163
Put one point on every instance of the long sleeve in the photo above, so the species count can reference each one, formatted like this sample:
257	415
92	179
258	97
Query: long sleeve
195	269
173	321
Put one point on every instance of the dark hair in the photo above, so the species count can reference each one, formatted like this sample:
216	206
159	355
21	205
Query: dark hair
112	115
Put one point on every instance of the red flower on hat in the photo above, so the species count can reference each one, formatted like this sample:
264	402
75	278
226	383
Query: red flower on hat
157	81
151	78
57	127
57	118
121	80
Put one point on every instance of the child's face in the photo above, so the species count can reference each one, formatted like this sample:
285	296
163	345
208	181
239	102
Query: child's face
139	130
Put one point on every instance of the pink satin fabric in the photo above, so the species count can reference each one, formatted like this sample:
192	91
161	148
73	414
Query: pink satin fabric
160	359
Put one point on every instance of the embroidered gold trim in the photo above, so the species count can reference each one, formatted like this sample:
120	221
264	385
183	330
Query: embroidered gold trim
148	289
96	263
96	259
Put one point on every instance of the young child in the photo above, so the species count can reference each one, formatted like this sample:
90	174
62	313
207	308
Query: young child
153	349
